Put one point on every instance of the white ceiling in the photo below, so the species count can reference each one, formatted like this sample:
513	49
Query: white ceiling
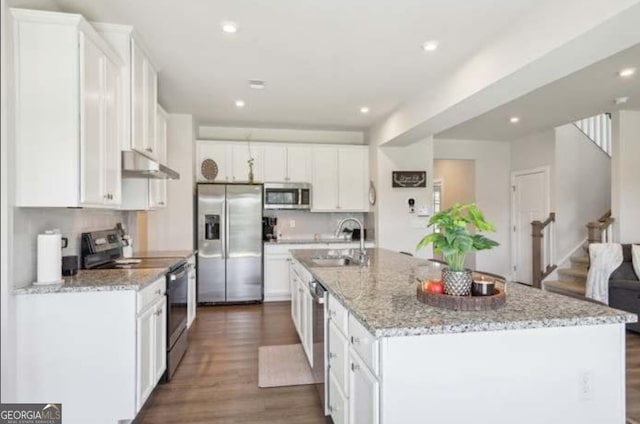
585	93
322	59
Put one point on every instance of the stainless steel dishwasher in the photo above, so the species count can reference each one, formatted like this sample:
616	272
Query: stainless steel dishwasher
319	295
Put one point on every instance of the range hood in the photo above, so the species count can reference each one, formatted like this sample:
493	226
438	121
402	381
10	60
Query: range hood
137	165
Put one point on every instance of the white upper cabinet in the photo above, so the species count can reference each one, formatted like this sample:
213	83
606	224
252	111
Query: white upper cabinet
324	186
275	163
220	153
340	179
298	161
140	90
241	153
68	120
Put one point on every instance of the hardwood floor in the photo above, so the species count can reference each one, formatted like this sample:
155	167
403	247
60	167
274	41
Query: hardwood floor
217	381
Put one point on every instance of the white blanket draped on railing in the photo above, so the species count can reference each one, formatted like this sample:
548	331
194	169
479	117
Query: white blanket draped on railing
604	259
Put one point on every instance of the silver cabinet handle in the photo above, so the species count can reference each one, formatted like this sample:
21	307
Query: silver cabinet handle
161	203
355	340
332	355
159	292
149	149
354	367
159	312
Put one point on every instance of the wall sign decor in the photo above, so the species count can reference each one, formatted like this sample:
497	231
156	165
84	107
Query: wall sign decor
413	179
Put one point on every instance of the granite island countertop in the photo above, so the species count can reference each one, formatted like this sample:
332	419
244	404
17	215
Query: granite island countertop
99	280
382	297
314	241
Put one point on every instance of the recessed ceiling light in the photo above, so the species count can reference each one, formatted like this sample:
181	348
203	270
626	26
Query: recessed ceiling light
430	46
229	27
364	109
240	103
621	100
627	72
256	84
514	119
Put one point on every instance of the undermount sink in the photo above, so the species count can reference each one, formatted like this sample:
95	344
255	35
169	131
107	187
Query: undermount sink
336	261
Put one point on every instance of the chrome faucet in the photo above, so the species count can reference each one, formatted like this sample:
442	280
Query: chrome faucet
363	252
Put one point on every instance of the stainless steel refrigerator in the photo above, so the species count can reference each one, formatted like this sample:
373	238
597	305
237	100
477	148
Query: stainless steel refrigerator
229	231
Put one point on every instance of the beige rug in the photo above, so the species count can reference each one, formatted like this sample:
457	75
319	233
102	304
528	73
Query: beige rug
284	365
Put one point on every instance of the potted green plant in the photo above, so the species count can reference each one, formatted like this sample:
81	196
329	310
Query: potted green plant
453	237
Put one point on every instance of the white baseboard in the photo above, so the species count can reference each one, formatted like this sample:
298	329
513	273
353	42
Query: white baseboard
279	296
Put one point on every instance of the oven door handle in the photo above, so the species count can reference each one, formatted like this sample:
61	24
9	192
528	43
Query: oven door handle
175	276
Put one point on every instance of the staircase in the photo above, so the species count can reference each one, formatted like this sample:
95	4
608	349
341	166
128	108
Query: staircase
572	281
598	130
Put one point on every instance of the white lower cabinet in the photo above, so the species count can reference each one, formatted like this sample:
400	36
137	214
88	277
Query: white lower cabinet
364	393
302	308
338	403
354	388
192	299
276	276
151	330
108	347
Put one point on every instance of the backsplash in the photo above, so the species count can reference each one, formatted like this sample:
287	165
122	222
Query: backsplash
29	222
307	224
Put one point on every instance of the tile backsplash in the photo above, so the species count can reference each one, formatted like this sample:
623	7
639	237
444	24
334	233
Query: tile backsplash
307	224
29	222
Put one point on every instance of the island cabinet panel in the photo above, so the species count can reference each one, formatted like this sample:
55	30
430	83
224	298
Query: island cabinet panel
338	356
530	376
364	393
338	315
338	403
364	343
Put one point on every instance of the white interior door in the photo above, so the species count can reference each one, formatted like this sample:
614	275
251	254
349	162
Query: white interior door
530	202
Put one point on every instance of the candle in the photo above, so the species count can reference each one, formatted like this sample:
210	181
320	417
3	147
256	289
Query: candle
482	287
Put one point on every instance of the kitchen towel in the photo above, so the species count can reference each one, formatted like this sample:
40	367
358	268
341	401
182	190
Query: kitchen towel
49	258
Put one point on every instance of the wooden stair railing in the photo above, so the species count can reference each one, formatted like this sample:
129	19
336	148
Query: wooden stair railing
542	249
600	230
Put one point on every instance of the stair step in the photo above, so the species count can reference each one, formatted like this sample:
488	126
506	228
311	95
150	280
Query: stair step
575	274
566	287
582	259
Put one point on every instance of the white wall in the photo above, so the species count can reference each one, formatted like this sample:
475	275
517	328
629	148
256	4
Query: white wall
534	151
492	161
581	188
172	228
280	135
625	178
396	228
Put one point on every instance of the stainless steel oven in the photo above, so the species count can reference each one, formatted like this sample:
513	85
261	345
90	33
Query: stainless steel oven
177	299
287	196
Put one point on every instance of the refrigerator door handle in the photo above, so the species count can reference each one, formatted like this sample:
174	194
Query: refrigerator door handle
227	240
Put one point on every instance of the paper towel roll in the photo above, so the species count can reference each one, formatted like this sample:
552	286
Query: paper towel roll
49	259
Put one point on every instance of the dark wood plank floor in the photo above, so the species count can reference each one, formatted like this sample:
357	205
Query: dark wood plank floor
217	381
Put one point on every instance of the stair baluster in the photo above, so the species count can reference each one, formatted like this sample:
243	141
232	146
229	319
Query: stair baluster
542	249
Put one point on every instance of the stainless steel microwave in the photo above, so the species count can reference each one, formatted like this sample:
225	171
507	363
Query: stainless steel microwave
287	196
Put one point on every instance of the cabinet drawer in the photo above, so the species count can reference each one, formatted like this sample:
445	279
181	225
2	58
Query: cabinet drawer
151	293
337	402
364	344
338	356
338	314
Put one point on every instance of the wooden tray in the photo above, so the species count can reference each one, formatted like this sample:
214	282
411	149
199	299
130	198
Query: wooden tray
463	303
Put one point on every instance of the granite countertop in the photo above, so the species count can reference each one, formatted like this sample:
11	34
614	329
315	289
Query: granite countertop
99	280
184	254
314	241
382	297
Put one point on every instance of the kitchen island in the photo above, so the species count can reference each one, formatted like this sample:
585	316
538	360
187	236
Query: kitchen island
541	358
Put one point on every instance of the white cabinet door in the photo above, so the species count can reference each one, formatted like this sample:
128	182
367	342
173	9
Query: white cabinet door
160	339
298	161
275	163
150	108
338	356
191	302
138	100
353	179
157	193
338	403
241	153
325	179
220	153
145	363
276	278
364	392
112	128
92	158
296	303
161	135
